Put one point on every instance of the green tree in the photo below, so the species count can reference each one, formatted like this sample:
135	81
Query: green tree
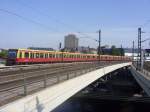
3	54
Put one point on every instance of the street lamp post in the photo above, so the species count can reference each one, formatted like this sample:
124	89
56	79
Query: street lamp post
99	43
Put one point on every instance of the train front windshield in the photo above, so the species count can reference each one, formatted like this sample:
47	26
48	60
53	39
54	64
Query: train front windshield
12	54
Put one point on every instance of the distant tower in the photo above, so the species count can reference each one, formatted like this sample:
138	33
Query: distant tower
71	41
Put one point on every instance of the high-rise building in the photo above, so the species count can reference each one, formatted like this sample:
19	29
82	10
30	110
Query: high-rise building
71	41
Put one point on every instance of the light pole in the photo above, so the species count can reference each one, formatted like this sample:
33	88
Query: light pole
133	52
139	49
99	47
140	52
99	43
121	53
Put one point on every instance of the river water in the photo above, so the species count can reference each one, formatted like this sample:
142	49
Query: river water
121	93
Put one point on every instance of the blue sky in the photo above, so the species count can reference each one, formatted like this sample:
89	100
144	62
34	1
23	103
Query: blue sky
118	20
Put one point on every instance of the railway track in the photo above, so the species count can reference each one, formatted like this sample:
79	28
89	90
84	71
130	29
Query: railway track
16	84
29	68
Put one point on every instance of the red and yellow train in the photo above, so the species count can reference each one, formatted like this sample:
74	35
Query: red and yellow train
28	56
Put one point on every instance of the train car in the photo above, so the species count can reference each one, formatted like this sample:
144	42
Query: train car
28	56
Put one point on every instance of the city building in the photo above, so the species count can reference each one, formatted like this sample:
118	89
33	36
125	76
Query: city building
129	52
71	42
145	53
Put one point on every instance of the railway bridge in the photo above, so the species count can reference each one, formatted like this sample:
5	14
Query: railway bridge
42	89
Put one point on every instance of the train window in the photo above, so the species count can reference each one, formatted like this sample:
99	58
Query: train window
53	55
46	55
50	55
69	56
41	55
37	55
20	55
64	55
60	55
31	55
57	55
26	55
75	56
72	56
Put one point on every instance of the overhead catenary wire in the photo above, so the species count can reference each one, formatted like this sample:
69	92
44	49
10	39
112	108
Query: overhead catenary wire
145	24
27	19
52	18
44	14
61	22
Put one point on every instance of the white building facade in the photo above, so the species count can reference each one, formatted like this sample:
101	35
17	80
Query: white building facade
71	41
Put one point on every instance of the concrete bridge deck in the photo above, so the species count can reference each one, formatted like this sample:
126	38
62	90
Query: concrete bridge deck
49	98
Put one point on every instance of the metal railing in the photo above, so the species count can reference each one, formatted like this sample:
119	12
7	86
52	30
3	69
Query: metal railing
27	86
15	86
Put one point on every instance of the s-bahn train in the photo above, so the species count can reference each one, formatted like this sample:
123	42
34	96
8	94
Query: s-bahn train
28	56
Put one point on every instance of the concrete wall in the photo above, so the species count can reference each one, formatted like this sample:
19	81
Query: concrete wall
142	79
50	98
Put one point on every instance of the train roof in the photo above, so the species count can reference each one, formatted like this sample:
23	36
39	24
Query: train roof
52	51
